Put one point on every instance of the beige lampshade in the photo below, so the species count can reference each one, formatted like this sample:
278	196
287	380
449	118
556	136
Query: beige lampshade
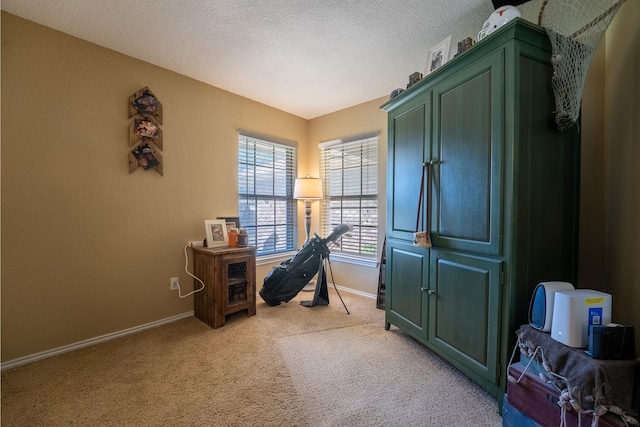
307	188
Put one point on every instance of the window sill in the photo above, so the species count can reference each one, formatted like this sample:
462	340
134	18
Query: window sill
274	258
354	259
338	257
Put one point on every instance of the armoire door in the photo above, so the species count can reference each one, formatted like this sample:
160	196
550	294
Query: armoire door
407	144
467	150
464	310
407	272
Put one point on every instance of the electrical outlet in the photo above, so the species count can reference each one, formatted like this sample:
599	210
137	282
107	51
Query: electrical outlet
195	244
175	283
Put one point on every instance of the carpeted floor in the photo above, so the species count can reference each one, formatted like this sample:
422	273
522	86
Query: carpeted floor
363	375
287	366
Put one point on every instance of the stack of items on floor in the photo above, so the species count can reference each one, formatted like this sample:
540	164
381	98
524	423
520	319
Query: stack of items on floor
557	385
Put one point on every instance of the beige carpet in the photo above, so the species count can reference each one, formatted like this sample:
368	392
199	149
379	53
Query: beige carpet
366	376
287	366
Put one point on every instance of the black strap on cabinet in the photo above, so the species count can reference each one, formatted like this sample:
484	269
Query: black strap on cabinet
426	170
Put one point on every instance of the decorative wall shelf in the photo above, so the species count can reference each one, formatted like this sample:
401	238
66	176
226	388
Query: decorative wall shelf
145	134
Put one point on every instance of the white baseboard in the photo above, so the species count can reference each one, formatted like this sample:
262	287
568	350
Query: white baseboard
354	291
92	341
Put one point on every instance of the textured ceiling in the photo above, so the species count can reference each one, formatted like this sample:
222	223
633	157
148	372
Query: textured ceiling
306	57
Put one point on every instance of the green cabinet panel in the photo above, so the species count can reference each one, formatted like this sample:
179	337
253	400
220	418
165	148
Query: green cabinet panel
467	143
465	309
405	303
408	129
503	200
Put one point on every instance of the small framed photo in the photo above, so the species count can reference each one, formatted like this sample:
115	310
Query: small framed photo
145	127
232	221
438	55
145	156
217	235
145	103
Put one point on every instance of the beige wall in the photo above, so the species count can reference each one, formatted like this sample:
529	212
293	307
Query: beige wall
88	249
592	176
354	121
621	155
357	120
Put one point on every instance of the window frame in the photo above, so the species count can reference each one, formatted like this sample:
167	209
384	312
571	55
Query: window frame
248	160
338	253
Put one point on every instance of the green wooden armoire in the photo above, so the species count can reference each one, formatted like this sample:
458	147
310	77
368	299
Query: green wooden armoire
500	201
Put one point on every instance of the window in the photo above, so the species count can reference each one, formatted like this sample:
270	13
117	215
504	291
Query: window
349	171
266	173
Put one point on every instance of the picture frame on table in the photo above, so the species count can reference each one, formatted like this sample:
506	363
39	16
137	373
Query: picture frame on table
438	55
216	232
232	221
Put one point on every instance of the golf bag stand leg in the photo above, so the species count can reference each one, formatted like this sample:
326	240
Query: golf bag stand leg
334	286
321	294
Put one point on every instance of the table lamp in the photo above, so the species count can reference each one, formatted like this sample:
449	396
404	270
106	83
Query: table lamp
307	189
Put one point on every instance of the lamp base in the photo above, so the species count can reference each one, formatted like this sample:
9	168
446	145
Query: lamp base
307	219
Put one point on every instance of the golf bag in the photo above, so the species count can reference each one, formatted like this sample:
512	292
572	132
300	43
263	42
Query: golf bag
284	281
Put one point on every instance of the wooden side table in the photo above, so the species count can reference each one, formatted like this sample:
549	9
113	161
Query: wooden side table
229	276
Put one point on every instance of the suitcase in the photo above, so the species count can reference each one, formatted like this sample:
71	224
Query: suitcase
539	402
511	417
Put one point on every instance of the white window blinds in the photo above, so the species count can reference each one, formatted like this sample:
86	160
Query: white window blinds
350	177
266	173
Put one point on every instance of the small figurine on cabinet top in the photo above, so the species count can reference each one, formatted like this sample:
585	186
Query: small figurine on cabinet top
414	78
465	44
